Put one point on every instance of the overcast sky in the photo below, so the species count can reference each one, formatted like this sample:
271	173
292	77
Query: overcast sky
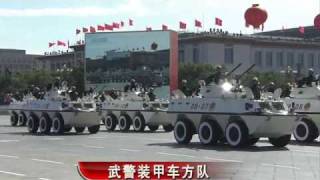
31	24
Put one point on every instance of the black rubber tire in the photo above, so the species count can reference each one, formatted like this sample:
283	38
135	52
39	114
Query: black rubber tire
183	132
153	127
209	132
124	123
79	129
33	123
67	128
45	124
22	119
110	122
14	119
307	129
58	124
168	127
280	141
237	134
139	124
93	129
252	141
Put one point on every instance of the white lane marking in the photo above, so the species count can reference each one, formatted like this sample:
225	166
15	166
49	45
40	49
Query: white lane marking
303	151
53	139
96	147
280	166
180	155
44	179
47	161
223	160
130	150
155	139
103	137
7	140
12	173
8	156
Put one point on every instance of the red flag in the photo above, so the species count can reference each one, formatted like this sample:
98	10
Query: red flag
148	29
78	31
85	30
100	28
61	43
197	23
108	27
301	30
51	44
164	27
130	22
218	22
116	25
182	25
122	23
92	29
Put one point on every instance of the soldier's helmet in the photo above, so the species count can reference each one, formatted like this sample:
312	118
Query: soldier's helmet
310	71
255	79
218	67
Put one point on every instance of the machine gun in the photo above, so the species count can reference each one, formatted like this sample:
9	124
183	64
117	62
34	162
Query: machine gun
238	77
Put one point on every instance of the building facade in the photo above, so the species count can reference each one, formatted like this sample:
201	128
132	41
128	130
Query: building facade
14	61
267	52
55	61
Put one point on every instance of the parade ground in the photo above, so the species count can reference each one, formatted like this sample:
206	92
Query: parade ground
48	157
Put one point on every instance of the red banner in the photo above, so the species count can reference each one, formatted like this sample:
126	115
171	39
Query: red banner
147	170
197	23
182	25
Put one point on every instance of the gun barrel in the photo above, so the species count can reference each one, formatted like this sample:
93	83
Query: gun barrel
246	71
234	69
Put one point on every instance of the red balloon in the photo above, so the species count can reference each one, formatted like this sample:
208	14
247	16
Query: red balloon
255	16
317	22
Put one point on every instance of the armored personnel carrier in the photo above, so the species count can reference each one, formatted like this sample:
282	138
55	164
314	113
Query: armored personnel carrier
305	101
136	109
229	112
55	114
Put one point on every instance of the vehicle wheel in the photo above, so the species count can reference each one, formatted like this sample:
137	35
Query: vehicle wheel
209	133
252	141
280	141
167	128
237	134
67	128
153	127
79	129
110	122
14	119
22	119
139	123
45	124
58	124
305	131
33	123
183	132
124	123
93	129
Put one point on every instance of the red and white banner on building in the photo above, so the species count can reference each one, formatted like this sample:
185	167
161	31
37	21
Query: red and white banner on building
147	170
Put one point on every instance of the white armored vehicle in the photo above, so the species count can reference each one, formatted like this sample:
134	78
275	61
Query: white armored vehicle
305	102
56	114
136	109
227	112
